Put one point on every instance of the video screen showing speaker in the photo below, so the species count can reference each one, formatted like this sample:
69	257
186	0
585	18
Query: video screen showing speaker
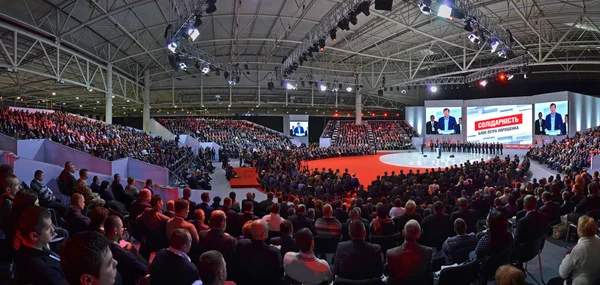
507	124
298	129
443	120
551	118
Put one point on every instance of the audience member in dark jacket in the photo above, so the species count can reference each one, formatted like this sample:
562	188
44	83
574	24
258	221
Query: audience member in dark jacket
258	262
286	241
533	225
409	261
436	227
357	259
76	222
550	208
217	239
466	214
129	267
172	265
299	220
456	249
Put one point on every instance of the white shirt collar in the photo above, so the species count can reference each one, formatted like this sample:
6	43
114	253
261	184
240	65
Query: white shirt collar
180	253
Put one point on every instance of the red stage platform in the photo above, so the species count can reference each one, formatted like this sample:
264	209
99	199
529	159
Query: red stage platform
248	178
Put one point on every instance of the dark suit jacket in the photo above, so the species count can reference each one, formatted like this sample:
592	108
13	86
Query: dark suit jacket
533	226
119	193
340	214
429	129
470	217
170	268
558	122
207	210
129	267
34	266
257	263
451	123
137	208
301	221
287	243
76	222
358	260
221	242
408	261
436	229
536	127
264	207
552	210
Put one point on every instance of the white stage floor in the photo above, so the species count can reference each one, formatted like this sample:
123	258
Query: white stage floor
416	159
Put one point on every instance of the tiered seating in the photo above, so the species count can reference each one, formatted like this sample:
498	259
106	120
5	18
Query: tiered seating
231	135
351	134
329	128
570	154
110	142
391	135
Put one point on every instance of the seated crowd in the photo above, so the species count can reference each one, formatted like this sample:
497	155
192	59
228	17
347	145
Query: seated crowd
392	135
231	135
107	141
349	133
401	226
570	154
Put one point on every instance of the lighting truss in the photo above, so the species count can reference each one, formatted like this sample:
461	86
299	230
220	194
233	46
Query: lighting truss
449	80
203	58
306	77
186	11
322	29
471	11
505	66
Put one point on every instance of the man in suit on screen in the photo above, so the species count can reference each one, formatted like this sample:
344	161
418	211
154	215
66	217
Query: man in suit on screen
554	120
540	124
432	126
458	127
299	130
447	122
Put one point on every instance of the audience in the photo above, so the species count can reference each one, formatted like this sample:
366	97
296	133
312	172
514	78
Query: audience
409	262
257	262
46	196
217	239
510	275
172	265
128	266
86	258
357	259
212	268
77	222
304	267
456	249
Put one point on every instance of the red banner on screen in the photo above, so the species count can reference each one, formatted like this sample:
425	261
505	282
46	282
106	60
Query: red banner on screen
499	122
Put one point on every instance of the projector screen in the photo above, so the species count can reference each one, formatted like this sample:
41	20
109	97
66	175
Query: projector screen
543	118
298	129
508	124
438	125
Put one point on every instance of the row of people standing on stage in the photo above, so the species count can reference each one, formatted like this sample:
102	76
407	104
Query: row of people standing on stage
483	148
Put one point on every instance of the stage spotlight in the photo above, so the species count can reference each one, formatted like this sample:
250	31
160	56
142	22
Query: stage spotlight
349	88
433	89
403	91
494	44
323	87
425	8
502	53
193	33
333	35
527	73
211	6
205	69
364	8
335	88
231	81
509	76
344	24
352	18
501	76
445	11
483	83
270	86
474	38
173	46
322	44
183	66
468	27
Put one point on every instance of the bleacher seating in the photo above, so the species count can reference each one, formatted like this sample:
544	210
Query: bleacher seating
384	135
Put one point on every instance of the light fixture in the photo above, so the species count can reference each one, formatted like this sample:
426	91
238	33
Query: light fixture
193	33
502	53
349	88
323	87
321	44
344	24
445	11
205	69
483	83
53	93
231	81
433	89
333	35
501	76
335	88
183	66
352	18
211	6
290	86
172	46
527	73
90	89
425	8
403	91
509	76
127	100
494	44
76	98
97	102
474	38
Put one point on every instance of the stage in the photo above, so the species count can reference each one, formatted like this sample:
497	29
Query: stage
415	159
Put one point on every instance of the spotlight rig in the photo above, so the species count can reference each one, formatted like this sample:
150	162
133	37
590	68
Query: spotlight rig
341	17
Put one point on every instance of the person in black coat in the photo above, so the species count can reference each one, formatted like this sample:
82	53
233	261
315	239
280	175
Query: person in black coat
217	239
551	209
436	227
129	267
286	241
533	225
76	222
172	265
339	212
35	264
299	220
205	206
357	259
258	262
470	216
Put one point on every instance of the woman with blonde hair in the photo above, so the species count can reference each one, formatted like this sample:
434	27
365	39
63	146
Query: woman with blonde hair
582	262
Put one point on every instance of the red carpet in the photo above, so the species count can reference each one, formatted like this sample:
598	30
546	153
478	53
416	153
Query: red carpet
366	167
247	178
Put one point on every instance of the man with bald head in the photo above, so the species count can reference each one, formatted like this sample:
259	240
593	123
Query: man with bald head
258	262
328	226
140	204
172	265
217	239
409	261
357	259
76	222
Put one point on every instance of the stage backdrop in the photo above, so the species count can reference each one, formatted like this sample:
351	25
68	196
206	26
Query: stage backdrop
507	124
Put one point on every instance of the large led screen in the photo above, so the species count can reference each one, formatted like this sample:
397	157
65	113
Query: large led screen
551	118
508	124
299	129
443	120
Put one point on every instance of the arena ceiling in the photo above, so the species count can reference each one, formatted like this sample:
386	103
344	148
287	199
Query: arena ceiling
56	53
